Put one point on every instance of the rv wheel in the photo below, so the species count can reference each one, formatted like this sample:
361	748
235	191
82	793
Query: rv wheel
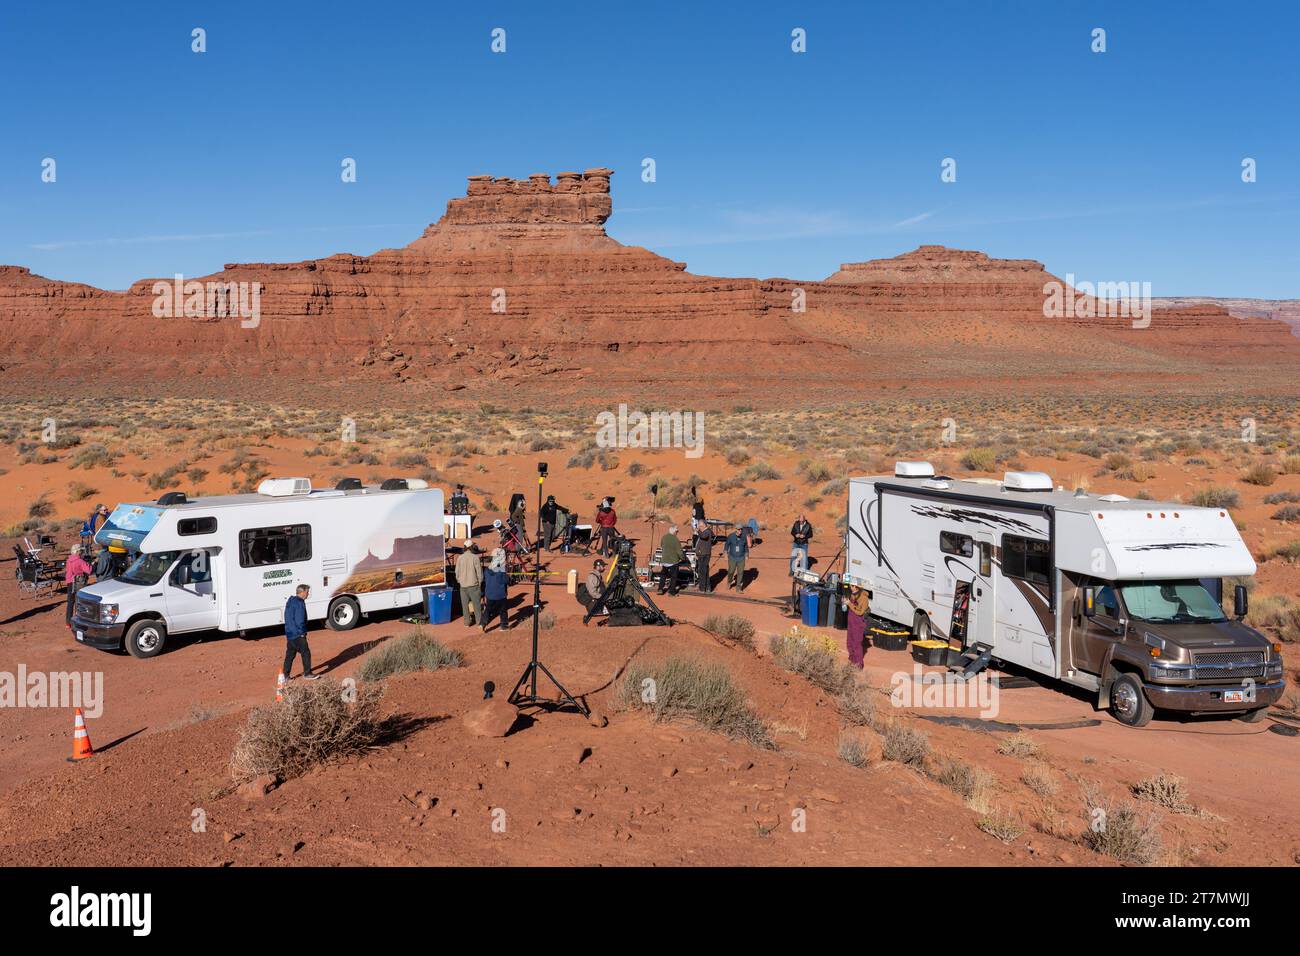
145	638
1128	702
344	614
921	627
1253	716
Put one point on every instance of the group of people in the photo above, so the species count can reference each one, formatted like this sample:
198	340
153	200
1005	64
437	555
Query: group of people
84	562
484	592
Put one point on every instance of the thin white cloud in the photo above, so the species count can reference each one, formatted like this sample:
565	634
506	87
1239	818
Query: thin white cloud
913	220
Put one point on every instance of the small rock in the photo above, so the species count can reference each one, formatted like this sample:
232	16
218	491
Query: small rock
424	802
503	763
259	787
581	753
669	771
597	720
492	718
229	837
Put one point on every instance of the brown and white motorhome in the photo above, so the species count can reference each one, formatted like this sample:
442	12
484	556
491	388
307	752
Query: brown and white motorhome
1118	596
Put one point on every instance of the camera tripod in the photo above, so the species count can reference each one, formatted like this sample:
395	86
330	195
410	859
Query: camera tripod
622	589
531	699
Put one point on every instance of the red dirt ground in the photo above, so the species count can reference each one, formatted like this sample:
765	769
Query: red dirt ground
647	793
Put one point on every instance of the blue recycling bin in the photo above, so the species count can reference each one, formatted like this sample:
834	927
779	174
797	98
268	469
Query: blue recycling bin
809	607
437	602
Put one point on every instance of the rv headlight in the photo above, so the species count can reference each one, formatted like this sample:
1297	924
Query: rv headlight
107	613
1274	667
1172	671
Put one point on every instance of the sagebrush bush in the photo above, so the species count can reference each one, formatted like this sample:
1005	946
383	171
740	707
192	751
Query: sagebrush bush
853	750
904	744
1214	497
679	687
414	651
1164	790
315	723
811	659
732	627
1121	831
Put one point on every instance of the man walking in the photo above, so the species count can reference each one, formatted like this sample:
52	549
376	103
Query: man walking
801	533
469	578
703	555
737	548
295	632
548	514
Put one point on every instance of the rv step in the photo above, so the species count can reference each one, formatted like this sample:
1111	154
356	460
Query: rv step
972	661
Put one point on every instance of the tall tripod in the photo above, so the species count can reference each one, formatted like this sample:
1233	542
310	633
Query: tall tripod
529	676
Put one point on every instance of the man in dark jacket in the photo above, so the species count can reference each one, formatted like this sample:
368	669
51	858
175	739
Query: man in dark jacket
703	555
548	513
737	548
105	565
801	533
295	632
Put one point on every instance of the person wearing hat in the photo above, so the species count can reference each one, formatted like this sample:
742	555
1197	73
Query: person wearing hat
93	523
595	583
548	514
75	574
469	578
671	558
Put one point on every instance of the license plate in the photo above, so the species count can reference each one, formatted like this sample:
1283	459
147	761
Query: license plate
1234	697
81	635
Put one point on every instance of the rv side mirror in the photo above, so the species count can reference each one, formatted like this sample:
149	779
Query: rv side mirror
1240	601
1089	602
183	575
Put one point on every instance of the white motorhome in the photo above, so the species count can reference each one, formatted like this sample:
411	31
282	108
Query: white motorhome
1117	596
231	562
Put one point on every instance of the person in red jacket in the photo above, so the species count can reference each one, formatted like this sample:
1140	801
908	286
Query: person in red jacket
75	574
606	520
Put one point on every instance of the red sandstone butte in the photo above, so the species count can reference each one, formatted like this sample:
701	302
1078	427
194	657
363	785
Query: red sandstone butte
519	286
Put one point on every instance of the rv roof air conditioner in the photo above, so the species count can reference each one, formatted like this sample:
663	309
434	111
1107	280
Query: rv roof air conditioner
393	484
416	484
348	484
913	469
1112	498
1027	481
173	498
284	487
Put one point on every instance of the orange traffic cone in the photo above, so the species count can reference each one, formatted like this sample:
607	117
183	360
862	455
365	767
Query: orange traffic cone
279	688
81	748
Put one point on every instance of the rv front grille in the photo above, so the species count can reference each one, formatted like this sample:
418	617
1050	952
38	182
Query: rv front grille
1229	665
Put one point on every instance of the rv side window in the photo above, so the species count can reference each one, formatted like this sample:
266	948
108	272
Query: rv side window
1026	558
950	542
283	545
188	526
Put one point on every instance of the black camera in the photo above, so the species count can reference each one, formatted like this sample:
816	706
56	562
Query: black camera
541	469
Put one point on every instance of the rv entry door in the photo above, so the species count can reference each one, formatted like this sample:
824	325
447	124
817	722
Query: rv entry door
191	594
983	597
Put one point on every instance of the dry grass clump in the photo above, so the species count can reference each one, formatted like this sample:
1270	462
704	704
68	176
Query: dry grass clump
1164	790
413	651
1001	825
1019	744
1121	831
979	459
1261	474
973	784
1040	780
705	693
903	744
853	750
1277	614
857	705
1214	497
318	721
731	627
812	658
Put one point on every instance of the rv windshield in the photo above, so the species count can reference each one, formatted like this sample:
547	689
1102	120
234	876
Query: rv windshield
1171	602
148	569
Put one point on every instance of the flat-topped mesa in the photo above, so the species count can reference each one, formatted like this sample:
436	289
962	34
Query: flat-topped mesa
941	264
578	199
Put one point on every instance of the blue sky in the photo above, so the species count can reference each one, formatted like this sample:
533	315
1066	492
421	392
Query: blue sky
1123	165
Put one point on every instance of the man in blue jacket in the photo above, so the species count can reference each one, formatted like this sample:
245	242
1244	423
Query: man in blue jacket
295	632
